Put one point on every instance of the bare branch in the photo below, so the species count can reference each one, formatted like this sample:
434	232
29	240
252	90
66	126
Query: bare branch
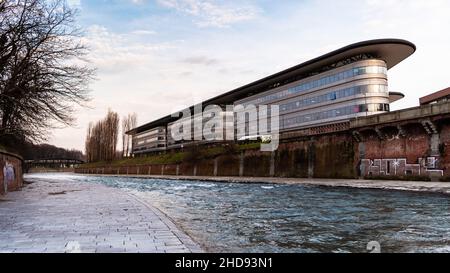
41	73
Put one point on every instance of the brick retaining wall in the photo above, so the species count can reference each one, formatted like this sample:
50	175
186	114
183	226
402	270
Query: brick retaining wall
410	144
412	153
17	163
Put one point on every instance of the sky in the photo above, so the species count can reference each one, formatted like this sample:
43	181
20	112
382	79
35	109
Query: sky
154	57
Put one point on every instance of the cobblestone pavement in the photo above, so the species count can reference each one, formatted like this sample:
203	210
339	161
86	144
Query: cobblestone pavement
80	217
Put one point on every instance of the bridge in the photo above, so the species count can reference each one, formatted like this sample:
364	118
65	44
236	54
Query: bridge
52	163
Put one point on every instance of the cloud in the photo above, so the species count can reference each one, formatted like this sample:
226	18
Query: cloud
74	3
139	74
200	60
143	32
402	14
112	52
138	2
209	13
149	72
423	23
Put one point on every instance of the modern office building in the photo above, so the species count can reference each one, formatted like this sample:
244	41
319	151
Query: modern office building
196	130
348	83
154	140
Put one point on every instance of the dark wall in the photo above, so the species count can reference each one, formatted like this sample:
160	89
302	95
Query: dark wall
16	161
393	154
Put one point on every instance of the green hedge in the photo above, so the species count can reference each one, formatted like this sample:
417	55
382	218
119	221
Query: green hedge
175	157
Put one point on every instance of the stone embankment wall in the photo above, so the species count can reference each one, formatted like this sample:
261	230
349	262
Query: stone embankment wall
50	170
411	144
294	159
15	181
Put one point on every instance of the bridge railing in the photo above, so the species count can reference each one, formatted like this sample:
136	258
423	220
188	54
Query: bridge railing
52	163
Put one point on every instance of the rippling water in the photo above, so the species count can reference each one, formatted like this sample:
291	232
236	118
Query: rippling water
227	217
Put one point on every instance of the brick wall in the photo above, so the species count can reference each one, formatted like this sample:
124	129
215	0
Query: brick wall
16	161
414	145
409	152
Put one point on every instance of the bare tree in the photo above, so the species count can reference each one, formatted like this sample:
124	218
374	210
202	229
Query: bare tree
101	139
43	74
89	149
128	123
125	128
112	122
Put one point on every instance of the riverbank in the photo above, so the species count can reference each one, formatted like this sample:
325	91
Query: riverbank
51	170
412	186
278	218
54	216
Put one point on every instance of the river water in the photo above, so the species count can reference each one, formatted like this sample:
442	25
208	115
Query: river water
230	217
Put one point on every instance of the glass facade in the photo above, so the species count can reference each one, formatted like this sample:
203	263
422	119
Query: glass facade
152	139
327	80
197	123
360	87
334	113
150	133
352	90
333	96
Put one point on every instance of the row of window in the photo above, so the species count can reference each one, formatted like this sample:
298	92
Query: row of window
343	111
151	140
198	118
137	149
196	129
320	82
335	95
152	132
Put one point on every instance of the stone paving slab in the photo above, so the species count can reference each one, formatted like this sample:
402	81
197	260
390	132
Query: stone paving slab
58	217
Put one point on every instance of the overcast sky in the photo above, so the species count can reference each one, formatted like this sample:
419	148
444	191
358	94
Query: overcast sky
156	56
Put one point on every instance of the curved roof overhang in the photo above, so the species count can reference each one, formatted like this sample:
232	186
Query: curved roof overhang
392	51
395	96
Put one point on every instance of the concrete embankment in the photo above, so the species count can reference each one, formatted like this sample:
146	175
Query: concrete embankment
412	186
411	144
51	170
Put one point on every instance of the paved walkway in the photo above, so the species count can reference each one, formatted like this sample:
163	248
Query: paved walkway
79	217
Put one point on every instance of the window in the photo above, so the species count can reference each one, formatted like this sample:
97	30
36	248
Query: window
339	112
320	82
332	96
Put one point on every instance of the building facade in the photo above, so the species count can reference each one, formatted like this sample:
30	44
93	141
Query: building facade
150	141
196	126
345	84
354	90
437	97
